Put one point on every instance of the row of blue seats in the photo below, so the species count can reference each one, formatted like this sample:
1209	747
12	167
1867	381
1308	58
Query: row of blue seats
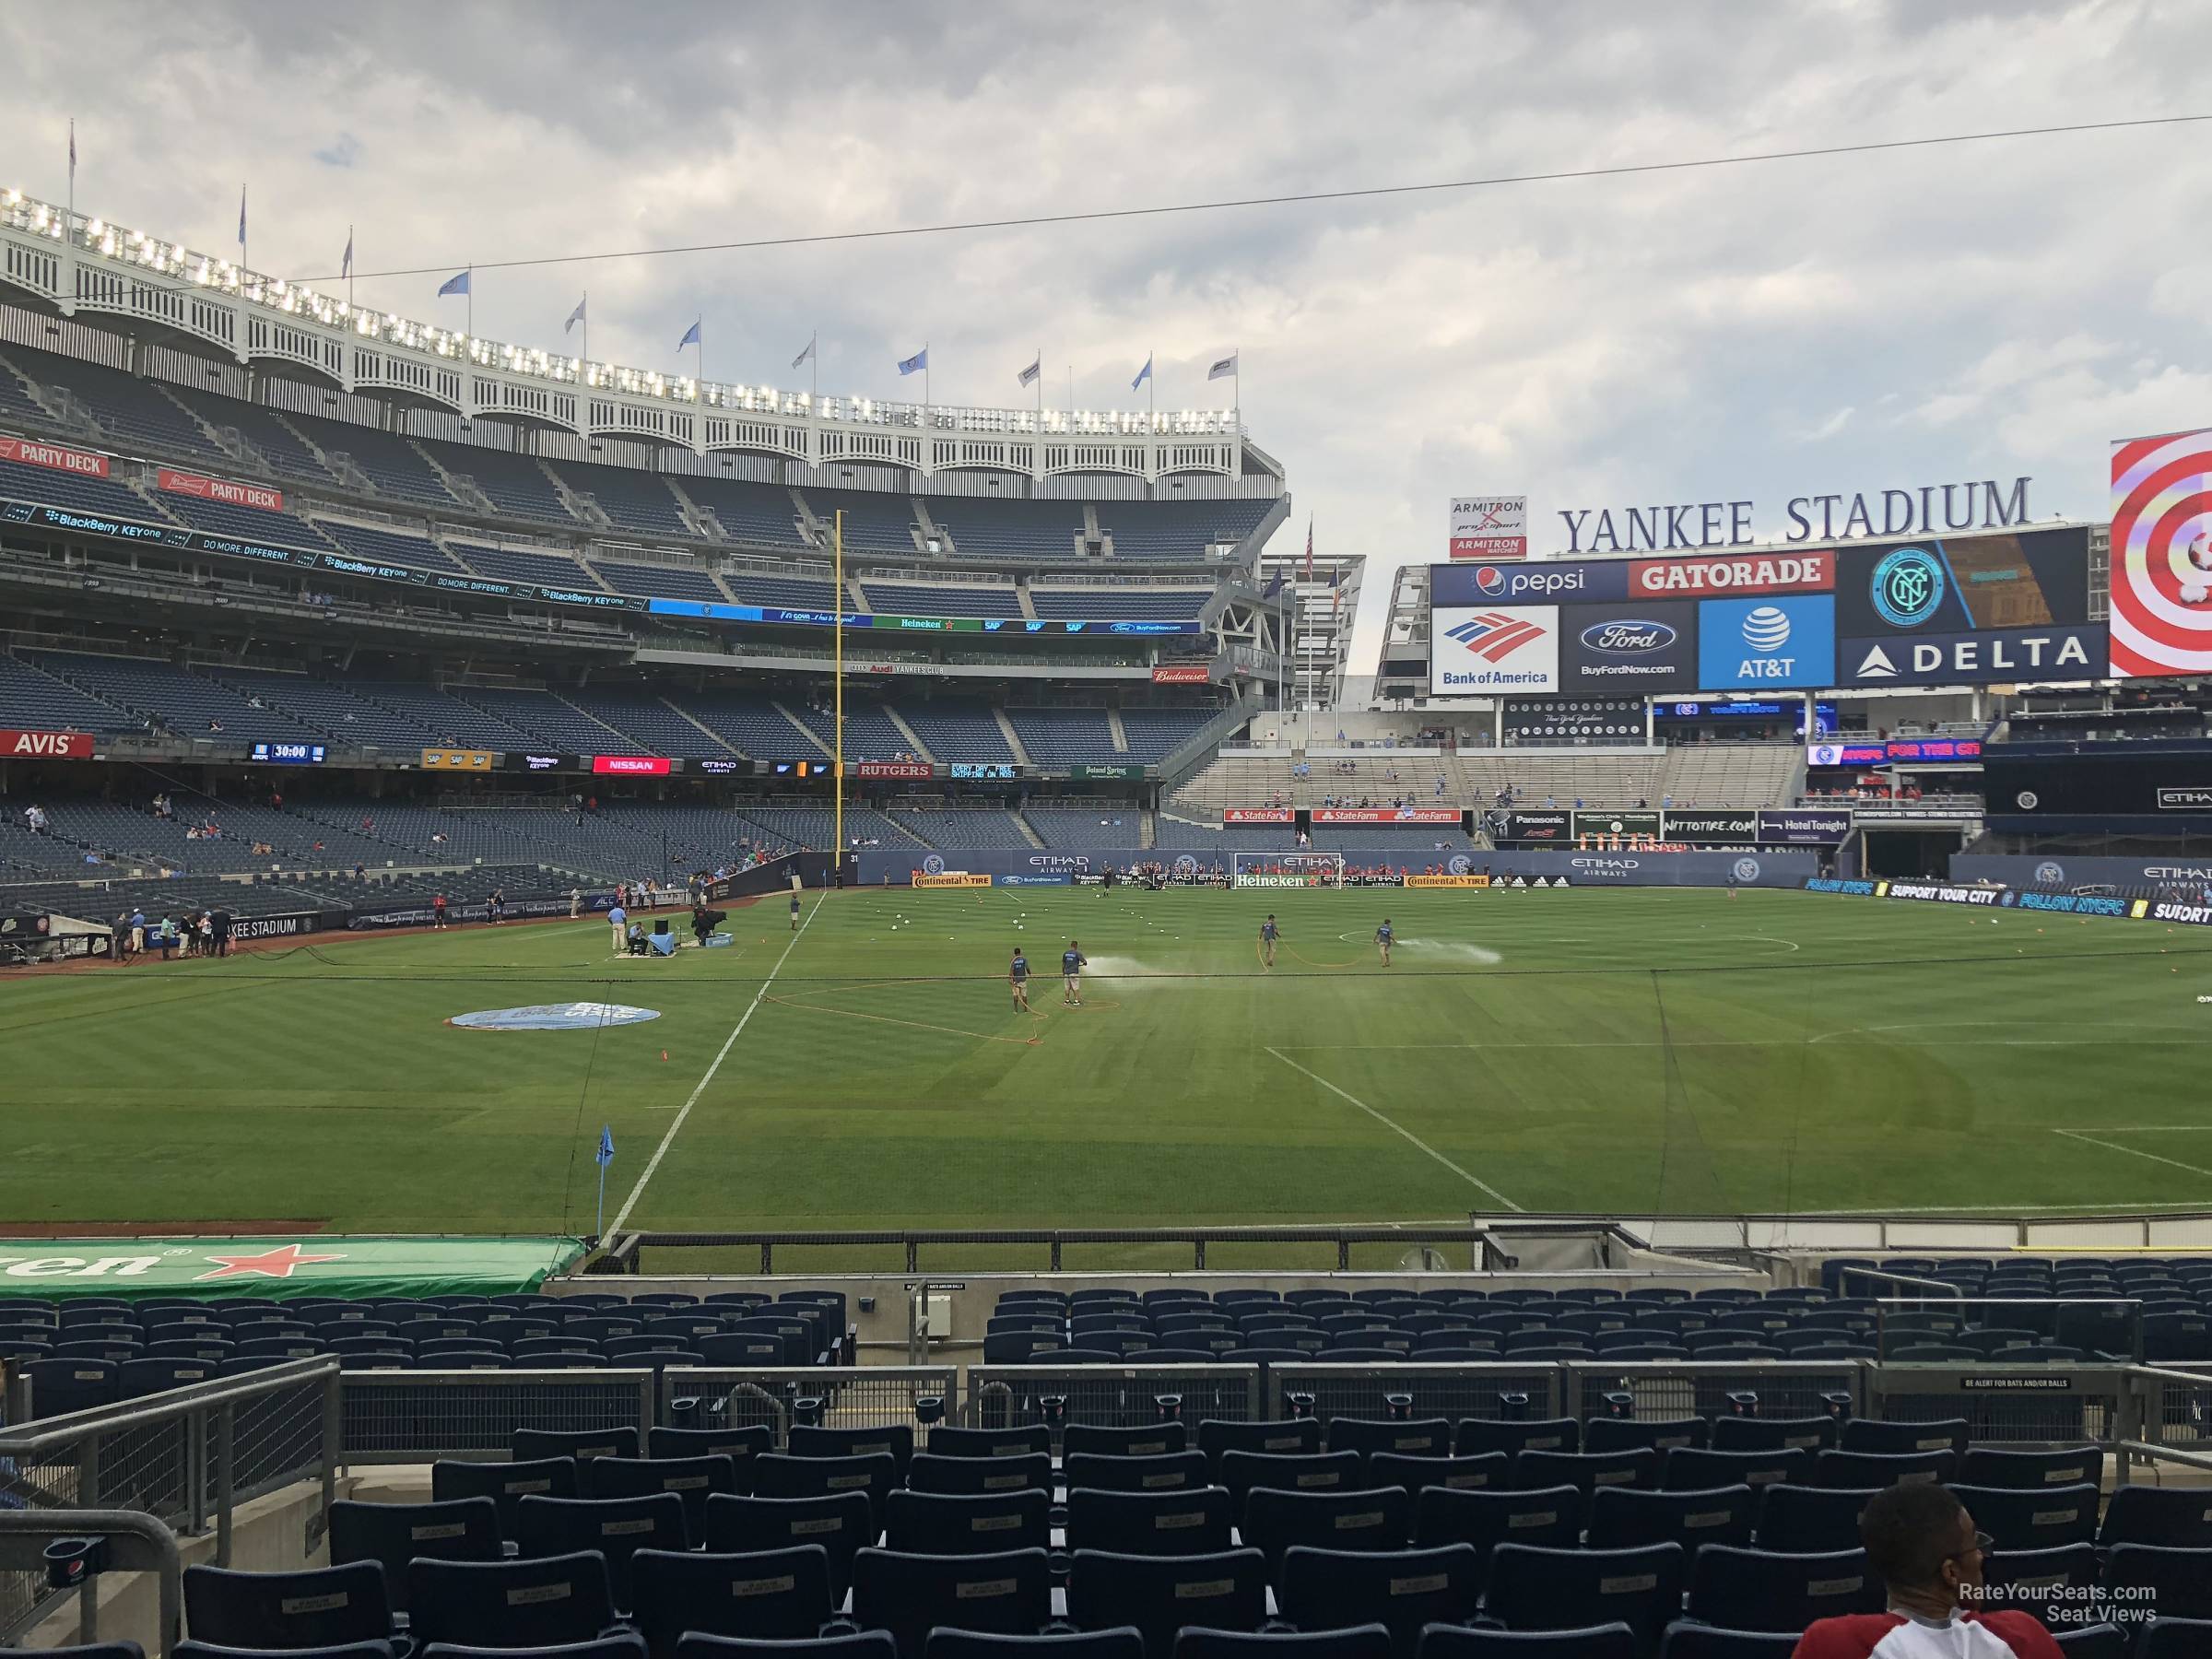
674	1595
325	1310
2160	1639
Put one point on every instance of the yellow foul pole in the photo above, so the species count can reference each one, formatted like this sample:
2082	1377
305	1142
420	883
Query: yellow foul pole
837	771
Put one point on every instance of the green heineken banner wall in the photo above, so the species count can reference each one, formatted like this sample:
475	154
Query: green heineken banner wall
309	1265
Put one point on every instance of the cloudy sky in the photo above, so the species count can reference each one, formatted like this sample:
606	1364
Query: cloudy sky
1943	313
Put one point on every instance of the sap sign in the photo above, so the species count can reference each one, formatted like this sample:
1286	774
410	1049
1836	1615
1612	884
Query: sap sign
1574	581
1765	643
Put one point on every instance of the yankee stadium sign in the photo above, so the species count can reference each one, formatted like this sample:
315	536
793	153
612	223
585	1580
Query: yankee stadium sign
1920	510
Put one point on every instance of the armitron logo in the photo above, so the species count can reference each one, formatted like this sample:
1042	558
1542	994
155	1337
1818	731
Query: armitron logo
1496	635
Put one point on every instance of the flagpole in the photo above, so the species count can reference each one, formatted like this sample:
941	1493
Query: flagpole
587	334
472	298
71	238
244	258
837	676
349	268
1152	390
1039	362
814	359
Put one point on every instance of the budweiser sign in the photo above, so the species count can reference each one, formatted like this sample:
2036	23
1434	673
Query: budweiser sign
1179	673
46	746
891	769
28	451
221	489
1258	815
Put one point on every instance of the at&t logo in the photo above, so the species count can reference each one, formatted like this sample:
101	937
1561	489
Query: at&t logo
1908	587
1766	631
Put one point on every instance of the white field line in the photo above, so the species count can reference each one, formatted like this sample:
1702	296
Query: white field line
729	1042
1474	1181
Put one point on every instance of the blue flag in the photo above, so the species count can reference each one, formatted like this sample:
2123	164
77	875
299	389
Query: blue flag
454	285
691	335
241	215
605	1153
345	264
576	316
1143	375
916	364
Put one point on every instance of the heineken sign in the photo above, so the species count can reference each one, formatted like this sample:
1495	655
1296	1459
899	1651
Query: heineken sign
309	1265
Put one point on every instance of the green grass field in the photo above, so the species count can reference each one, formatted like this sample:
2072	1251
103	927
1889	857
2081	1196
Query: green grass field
1625	1051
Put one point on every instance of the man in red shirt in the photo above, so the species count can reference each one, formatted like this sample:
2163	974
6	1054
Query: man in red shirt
1923	1542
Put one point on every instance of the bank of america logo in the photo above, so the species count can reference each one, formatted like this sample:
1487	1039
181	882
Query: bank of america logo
1495	635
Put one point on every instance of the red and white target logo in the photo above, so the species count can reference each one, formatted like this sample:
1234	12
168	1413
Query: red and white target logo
2161	619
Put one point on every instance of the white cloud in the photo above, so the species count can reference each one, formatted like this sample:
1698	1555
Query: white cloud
1657	337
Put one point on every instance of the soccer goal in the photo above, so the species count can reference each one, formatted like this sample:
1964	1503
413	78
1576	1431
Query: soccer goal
1286	869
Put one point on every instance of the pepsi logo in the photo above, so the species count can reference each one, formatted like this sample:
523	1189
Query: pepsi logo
1628	635
1490	580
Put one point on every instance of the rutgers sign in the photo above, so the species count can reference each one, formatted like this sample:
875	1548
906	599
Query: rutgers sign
891	769
46	746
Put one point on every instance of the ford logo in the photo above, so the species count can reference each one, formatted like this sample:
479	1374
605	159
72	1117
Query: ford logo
1627	634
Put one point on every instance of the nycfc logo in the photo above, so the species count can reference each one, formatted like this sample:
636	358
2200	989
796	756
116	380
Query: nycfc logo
1747	869
1908	587
2027	800
1460	864
1186	865
1490	580
2050	873
933	864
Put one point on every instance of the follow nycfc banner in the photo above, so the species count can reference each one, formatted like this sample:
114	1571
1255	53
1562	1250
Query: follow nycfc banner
2069	873
1021	869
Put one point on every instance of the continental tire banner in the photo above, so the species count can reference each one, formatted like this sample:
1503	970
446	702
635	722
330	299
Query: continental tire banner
1728	828
1447	881
950	878
354	1269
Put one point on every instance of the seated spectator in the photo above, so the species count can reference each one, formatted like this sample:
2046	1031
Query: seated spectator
1923	1542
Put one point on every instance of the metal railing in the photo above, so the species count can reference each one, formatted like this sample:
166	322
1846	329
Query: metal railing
132	1543
2028	1405
421	1416
1469	1390
187	1457
625	1250
914	1396
1112	1397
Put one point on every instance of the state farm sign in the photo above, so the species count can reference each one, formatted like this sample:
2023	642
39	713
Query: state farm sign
221	489
1743	573
46	746
28	451
1258	815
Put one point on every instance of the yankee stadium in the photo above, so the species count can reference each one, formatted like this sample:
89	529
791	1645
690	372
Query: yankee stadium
1262	885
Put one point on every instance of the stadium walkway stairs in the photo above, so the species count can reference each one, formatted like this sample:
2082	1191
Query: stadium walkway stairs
31	389
1148	831
1027	834
1121	734
575	500
804	730
637	744
1029	606
339	467
709	732
462	489
1005	730
930	529
813	528
700	519
907	732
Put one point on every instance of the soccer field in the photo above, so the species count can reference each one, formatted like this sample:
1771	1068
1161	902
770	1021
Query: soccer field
1635	1051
